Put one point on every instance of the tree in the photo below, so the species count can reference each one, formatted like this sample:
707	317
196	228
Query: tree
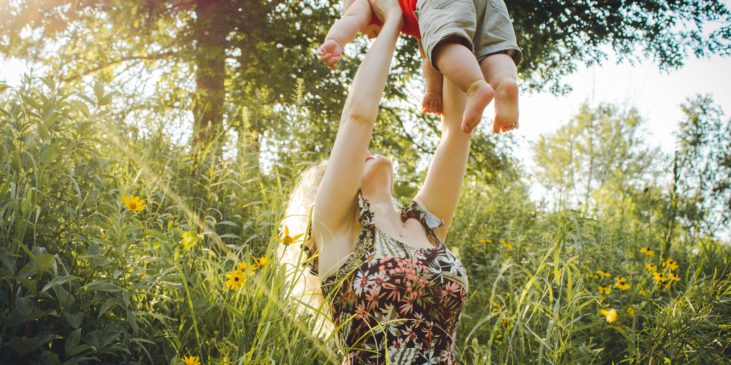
702	169
226	59
596	160
207	57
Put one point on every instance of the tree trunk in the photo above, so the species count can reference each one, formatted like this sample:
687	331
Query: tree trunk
210	59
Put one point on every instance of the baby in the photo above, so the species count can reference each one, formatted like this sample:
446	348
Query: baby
471	42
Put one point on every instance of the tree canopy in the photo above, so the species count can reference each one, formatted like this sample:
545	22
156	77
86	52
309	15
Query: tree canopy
236	64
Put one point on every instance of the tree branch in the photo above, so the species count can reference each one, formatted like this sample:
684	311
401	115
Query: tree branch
156	56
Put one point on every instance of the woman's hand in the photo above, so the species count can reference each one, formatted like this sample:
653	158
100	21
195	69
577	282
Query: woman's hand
385	9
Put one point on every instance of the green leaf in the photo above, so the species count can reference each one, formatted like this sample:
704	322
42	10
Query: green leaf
102	286
228	223
59	280
74	319
72	341
24	306
79	349
49	82
8	259
98	91
107	305
45	262
24	345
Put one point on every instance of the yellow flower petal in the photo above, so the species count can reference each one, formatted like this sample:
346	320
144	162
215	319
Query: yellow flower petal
191	360
133	203
647	251
506	244
610	315
670	264
620	283
235	280
603	273
287	239
261	261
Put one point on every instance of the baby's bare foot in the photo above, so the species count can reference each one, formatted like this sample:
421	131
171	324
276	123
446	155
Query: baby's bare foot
479	95
506	106
432	102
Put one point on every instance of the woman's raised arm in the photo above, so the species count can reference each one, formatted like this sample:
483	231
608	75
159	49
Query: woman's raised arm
441	189
335	201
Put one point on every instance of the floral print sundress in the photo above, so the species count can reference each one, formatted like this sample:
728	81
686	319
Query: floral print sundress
391	299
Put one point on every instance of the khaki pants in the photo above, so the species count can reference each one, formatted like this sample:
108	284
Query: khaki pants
483	26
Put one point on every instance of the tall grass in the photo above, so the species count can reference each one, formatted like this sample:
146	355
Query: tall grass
84	279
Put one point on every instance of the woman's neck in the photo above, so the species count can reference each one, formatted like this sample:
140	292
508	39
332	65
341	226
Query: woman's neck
382	204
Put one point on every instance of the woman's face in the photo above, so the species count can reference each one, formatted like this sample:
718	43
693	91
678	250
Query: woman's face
377	174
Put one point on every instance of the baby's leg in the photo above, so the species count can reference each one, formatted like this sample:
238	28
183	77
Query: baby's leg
432	101
459	65
448	28
495	35
500	71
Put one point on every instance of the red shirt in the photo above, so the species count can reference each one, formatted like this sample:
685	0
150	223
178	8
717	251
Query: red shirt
411	25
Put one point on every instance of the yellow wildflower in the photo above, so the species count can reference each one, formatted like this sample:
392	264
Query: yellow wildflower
647	251
261	261
235	280
603	273
191	360
134	203
659	278
485	241
605	290
673	277
620	283
631	311
189	239
245	268
506	244
651	267
642	292
610	315
287	239
670	264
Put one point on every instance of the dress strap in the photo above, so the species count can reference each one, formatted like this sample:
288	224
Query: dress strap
365	215
428	219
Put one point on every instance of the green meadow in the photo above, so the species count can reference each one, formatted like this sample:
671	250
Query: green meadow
131	232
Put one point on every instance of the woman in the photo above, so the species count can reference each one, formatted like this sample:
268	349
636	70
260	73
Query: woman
394	288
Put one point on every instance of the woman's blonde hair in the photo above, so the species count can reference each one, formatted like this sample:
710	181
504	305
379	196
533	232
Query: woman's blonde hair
303	288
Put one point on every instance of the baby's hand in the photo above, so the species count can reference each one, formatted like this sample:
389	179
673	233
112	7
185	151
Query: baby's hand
329	53
432	102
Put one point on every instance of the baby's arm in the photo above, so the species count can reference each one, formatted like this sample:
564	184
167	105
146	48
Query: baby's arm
432	102
356	17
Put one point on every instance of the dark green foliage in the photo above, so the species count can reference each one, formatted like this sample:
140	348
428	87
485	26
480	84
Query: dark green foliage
168	56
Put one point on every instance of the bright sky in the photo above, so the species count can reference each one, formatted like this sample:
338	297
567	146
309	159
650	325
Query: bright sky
657	96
